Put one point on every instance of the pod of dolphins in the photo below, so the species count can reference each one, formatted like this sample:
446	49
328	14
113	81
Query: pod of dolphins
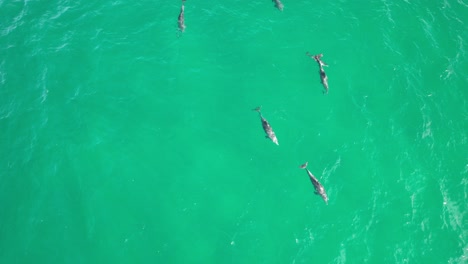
270	134
319	189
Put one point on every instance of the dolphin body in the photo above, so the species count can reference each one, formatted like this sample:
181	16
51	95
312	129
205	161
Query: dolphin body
266	126
319	190
181	19
278	5
323	75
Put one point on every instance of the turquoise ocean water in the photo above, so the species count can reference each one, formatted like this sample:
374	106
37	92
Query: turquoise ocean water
124	141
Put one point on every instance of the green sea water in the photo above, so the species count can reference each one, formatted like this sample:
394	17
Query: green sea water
123	140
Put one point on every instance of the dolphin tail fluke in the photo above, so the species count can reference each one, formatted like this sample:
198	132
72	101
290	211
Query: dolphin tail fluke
257	109
303	166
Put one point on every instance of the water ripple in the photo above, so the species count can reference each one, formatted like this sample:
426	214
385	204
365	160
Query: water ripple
427	25
451	211
15	23
455	64
388	11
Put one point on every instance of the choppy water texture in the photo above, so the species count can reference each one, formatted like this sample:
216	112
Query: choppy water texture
125	141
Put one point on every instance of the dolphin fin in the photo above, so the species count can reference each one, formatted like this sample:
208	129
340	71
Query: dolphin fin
257	109
303	166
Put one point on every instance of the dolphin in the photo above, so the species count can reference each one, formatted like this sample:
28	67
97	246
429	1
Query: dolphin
278	5
323	75
266	126
181	19
319	190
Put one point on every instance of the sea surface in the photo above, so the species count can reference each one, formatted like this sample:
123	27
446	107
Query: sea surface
124	140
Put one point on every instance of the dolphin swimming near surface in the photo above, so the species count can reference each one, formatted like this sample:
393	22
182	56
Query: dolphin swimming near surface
181	19
266	126
278	4
318	187
323	75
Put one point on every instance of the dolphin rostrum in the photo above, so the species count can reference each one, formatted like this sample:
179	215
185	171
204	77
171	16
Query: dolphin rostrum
323	75
181	19
266	126
318	187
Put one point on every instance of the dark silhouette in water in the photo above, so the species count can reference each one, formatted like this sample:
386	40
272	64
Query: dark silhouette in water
266	126
181	19
278	4
323	75
319	190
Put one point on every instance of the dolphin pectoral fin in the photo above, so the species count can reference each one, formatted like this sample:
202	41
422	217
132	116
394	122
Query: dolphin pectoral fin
267	137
